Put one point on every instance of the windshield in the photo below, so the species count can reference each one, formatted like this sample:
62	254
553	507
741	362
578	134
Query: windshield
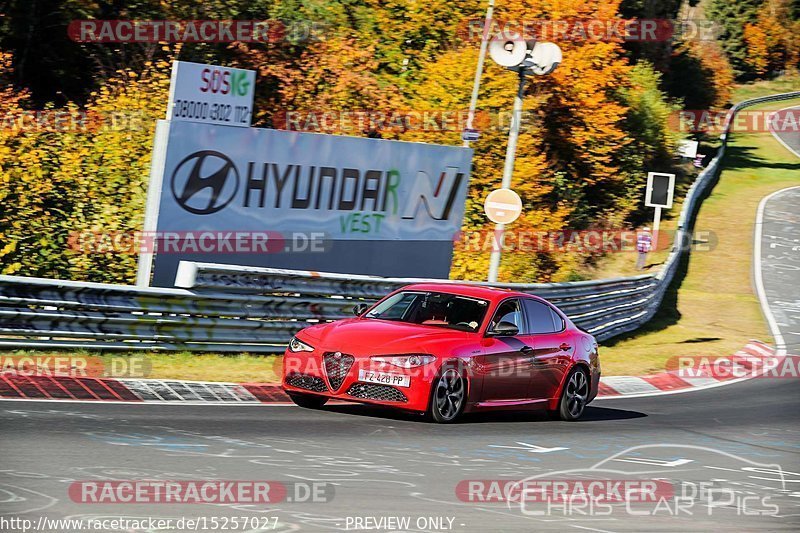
432	309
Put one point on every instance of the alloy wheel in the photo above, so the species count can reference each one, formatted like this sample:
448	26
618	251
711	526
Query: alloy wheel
450	395
576	392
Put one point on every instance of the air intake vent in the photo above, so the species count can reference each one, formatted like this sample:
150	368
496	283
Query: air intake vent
302	381
373	391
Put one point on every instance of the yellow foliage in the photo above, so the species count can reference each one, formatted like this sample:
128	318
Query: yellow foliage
86	172
772	40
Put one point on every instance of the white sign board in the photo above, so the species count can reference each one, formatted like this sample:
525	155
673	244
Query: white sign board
687	148
660	188
381	206
211	94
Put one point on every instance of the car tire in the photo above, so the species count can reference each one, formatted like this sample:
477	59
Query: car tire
309	401
574	396
448	396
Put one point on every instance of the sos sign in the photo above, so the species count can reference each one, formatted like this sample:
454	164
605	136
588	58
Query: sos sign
224	81
211	94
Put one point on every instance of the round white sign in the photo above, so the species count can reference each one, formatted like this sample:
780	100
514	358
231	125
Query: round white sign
503	206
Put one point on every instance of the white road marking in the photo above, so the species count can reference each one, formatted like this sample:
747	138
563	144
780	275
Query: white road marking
699	381
592	529
758	277
630	385
778	137
532	448
655	462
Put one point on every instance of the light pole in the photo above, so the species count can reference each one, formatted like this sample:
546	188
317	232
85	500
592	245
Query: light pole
476	83
508	171
510	50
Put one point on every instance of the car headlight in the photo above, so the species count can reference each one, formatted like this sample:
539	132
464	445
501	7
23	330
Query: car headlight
405	361
296	345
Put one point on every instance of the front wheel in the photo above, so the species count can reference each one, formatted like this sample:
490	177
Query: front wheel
309	401
574	396
448	398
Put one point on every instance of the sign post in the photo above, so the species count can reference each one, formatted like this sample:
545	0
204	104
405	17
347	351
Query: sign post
508	170
476	83
144	270
510	50
660	190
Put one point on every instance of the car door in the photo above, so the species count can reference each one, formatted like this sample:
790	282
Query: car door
552	348
505	363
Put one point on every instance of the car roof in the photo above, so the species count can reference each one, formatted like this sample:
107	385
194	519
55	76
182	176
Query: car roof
493	294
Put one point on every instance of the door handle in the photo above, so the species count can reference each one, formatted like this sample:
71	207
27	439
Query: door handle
564	347
526	349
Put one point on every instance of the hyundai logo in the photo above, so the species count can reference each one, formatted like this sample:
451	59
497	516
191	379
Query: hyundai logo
205	182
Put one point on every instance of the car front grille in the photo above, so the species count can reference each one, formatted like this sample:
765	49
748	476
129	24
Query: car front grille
374	391
337	365
303	381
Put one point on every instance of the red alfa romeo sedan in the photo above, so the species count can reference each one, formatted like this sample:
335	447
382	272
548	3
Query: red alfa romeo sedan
444	349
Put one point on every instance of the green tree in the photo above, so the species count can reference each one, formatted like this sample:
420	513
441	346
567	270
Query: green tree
732	16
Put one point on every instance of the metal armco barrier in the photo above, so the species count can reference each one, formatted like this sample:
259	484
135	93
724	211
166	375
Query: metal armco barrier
227	308
593	305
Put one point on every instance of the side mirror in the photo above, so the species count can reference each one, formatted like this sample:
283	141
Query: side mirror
359	309
505	329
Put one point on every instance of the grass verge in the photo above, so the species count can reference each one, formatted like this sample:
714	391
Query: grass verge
784	84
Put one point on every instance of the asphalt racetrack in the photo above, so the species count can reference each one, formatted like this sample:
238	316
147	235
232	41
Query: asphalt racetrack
780	264
742	440
788	135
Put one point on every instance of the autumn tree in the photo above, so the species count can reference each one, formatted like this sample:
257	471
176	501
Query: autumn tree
772	40
76	170
590	130
577	155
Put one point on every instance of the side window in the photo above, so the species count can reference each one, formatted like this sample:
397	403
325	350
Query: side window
396	307
539	316
508	311
558	322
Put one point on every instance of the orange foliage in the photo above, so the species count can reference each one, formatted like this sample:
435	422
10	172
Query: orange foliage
569	167
772	41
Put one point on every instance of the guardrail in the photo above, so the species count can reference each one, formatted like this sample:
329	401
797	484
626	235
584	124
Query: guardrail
247	309
592	305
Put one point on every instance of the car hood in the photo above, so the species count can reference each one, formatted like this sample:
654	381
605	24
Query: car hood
366	336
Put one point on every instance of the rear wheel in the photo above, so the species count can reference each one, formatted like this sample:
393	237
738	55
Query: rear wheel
574	396
309	401
449	396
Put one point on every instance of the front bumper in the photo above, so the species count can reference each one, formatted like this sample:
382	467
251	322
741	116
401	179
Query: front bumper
307	372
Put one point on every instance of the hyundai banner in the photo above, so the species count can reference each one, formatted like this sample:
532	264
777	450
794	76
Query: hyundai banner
358	205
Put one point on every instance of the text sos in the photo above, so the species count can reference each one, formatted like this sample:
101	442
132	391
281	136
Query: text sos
220	81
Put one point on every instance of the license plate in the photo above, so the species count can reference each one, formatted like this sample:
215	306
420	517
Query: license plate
395	380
